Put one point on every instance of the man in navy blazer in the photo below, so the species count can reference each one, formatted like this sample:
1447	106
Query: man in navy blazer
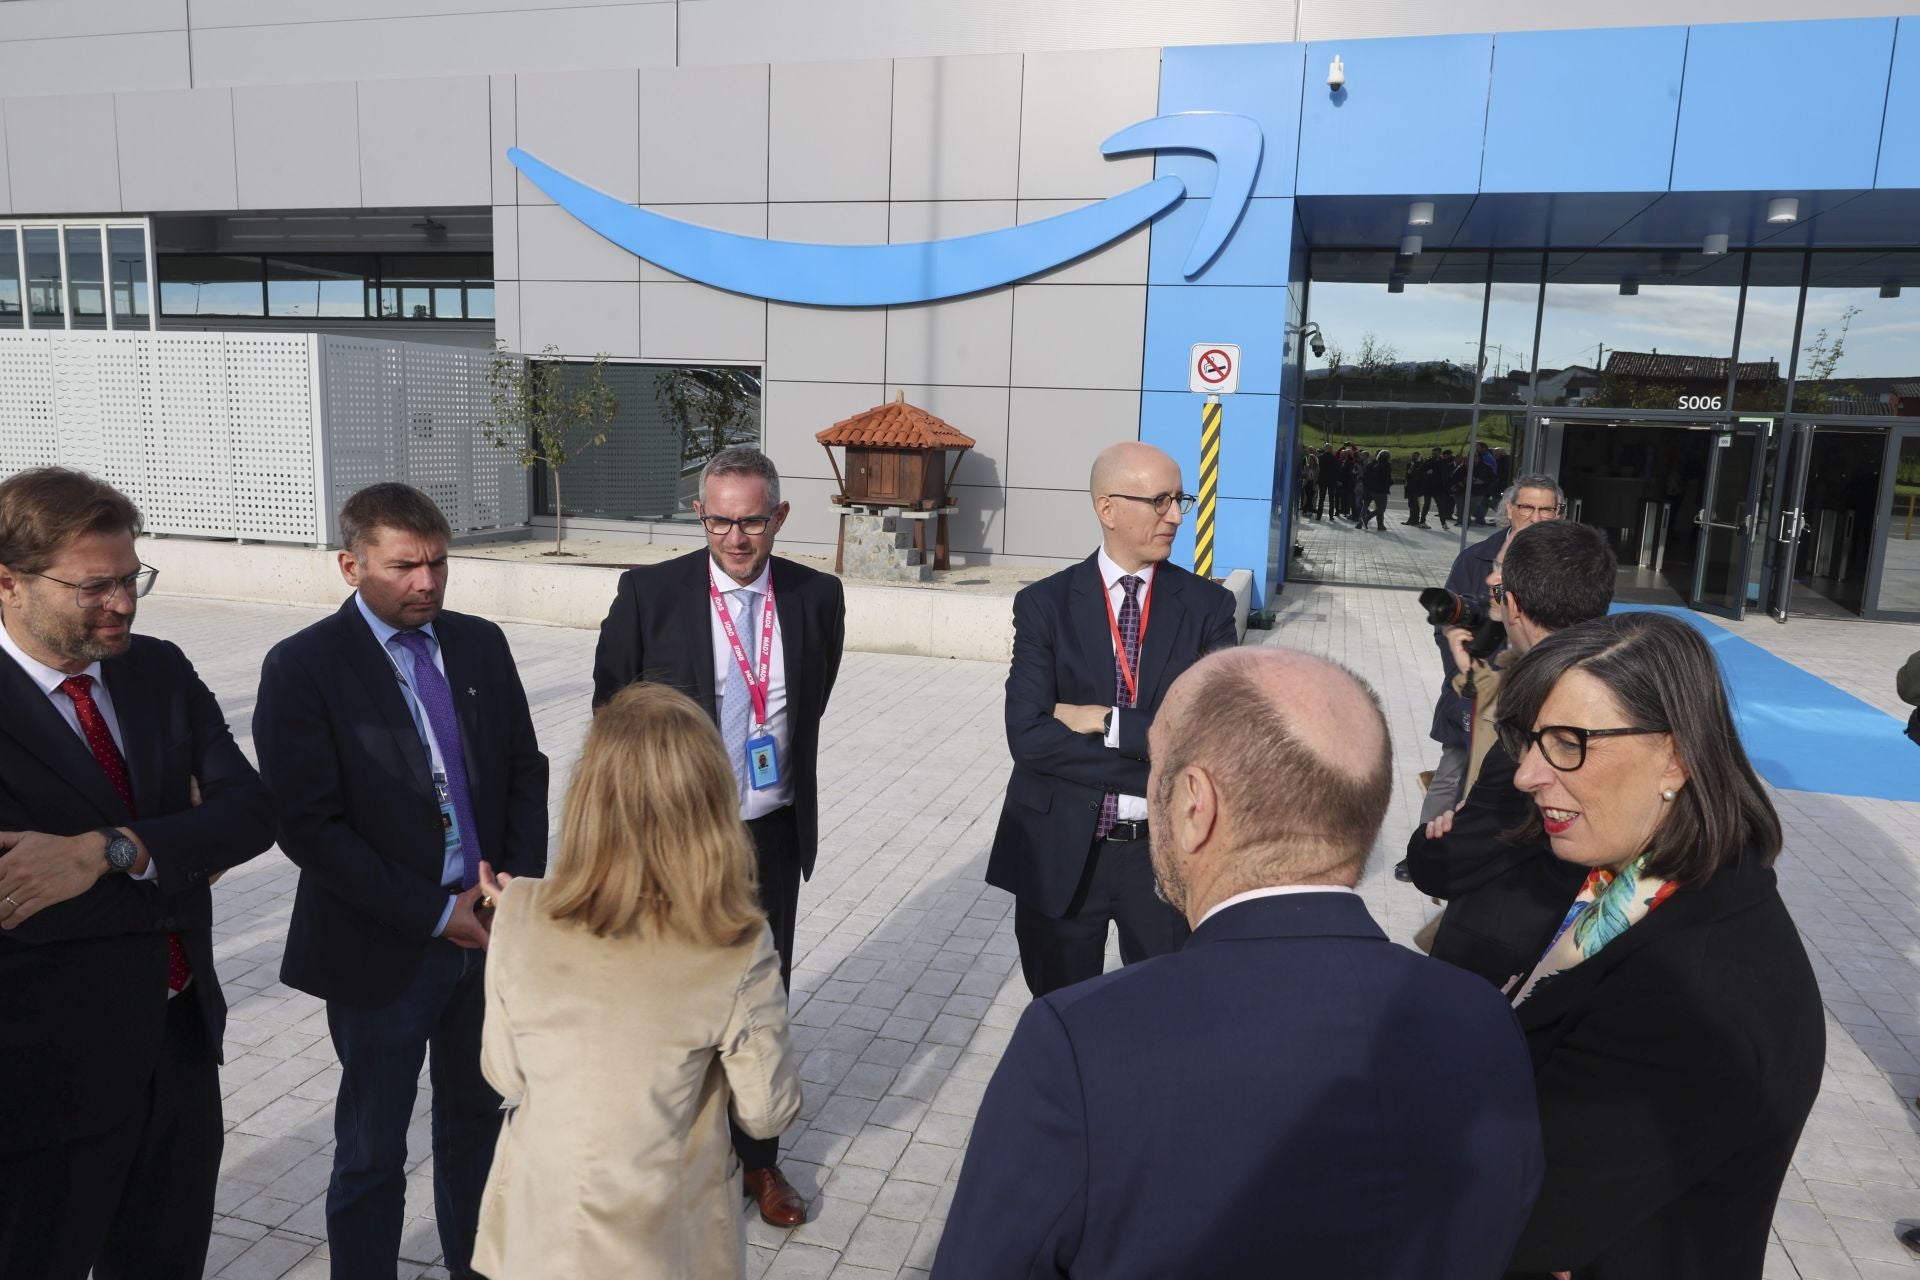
1094	649
1291	1094
397	741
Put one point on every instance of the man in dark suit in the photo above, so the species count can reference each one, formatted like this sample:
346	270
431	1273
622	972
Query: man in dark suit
1094	649
1505	899
754	639
1291	1094
397	741
111	1016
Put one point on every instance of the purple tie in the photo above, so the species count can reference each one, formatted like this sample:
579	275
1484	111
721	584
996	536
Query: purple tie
1130	640
437	701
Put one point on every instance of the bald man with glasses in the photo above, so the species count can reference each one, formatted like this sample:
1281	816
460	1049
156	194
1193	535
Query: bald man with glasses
1095	647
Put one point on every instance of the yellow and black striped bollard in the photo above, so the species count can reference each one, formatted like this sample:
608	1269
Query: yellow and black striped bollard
1209	484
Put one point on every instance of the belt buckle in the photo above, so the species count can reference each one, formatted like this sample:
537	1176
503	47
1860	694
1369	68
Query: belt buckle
1133	827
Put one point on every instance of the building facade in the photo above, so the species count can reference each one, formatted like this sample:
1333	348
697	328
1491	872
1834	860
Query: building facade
1676	265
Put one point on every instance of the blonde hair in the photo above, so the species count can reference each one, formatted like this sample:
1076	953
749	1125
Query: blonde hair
651	839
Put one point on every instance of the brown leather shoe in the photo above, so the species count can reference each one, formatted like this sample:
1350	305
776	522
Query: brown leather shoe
780	1204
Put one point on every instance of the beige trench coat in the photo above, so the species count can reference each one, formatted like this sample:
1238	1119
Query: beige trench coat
618	1058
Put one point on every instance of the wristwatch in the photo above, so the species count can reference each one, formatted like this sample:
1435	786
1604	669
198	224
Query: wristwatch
1106	723
121	851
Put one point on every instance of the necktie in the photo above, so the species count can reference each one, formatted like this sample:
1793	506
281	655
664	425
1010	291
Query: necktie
736	704
93	726
1130	642
436	699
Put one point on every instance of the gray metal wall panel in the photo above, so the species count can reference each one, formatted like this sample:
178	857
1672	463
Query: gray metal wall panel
581	319
585	124
740	219
1122	262
506	242
703	135
1079	335
956	128
693	323
795	411
830	126
1056	523
52	19
6	184
406	48
177	149
1053	435
425	142
63	155
1069	104
501	98
254	13
95	64
297	146
967	340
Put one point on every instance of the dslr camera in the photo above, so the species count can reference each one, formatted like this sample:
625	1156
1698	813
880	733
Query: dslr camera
1445	609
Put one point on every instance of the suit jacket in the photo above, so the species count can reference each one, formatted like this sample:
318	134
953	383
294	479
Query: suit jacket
1504	900
619	1057
1063	652
1453	714
358	815
1290	1095
1675	1070
660	629
83	983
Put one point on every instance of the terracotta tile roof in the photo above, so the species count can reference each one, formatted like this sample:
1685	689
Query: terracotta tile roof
1652	364
1906	390
898	425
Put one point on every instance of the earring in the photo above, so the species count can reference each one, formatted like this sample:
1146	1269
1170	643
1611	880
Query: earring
1667	796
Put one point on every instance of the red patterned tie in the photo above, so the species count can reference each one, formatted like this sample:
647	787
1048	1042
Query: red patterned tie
100	739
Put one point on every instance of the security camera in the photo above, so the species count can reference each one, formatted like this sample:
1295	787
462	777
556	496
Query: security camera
1319	345
1336	75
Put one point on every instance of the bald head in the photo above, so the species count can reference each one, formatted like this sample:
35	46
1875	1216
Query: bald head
1127	478
1270	767
1132	466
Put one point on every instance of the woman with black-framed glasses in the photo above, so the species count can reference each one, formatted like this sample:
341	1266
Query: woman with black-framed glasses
1675	1025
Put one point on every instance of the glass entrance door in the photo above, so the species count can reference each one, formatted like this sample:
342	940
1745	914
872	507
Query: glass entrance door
1791	522
1894	590
1726	520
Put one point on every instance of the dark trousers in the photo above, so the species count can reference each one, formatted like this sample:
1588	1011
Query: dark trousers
1116	887
134	1202
776	848
380	1054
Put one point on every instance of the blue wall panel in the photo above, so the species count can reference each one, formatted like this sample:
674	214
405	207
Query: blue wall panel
1257	80
1584	110
1249	426
1900	139
1256	253
1783	106
1180	315
1410	120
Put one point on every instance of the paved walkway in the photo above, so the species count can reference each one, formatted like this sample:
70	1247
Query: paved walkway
905	990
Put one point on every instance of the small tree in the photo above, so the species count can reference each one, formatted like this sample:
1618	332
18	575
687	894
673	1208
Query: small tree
713	407
546	412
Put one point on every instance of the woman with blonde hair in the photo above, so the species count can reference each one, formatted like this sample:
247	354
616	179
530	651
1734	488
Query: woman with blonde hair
631	998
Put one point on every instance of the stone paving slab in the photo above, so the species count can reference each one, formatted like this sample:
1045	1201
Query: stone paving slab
906	986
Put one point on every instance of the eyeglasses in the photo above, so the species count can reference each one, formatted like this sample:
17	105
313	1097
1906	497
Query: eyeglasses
1498	591
1161	501
96	593
1536	513
1564	746
720	526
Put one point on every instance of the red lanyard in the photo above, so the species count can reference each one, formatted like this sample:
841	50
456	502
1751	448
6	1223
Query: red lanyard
1120	650
757	686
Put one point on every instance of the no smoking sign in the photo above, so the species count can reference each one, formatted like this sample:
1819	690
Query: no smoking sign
1214	368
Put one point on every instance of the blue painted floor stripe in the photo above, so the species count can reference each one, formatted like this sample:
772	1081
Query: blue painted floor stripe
1801	733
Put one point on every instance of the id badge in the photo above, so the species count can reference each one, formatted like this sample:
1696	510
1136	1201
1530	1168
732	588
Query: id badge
763	763
449	822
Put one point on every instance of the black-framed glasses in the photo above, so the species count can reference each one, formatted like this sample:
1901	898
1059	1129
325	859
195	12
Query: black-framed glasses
1564	746
721	526
96	593
1534	513
1498	591
1161	501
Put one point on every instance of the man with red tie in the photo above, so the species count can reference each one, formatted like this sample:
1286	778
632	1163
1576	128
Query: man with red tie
111	1016
1094	649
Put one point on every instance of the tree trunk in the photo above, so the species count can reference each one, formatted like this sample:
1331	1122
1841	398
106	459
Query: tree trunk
559	515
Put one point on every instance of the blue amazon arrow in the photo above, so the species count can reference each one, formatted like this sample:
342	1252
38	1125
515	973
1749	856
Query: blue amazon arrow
872	275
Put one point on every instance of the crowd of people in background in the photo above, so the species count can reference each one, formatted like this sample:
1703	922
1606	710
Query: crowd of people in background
1354	484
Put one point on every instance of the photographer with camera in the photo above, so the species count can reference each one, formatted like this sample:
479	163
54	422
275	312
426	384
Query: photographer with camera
1503	899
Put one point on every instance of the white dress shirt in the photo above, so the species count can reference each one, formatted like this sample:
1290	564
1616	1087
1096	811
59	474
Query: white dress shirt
49	679
754	804
1132	808
1274	891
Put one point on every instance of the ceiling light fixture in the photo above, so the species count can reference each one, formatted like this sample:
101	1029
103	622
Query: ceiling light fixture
1890	289
1715	244
1420	213
1409	245
1629	287
1783	210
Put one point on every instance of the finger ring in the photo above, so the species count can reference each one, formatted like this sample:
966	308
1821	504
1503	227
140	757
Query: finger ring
10	899
486	902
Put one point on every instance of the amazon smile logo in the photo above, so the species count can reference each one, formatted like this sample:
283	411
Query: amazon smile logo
875	275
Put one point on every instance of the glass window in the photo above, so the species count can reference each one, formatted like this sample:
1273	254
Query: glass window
480	302
46	292
324	286
416	303
10	301
1506	372
670	420
1857	348
1396	328
127	277
1766	331
210	285
446	303
1642	330
86	278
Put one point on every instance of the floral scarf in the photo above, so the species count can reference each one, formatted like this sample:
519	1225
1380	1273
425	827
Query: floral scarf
1606	906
